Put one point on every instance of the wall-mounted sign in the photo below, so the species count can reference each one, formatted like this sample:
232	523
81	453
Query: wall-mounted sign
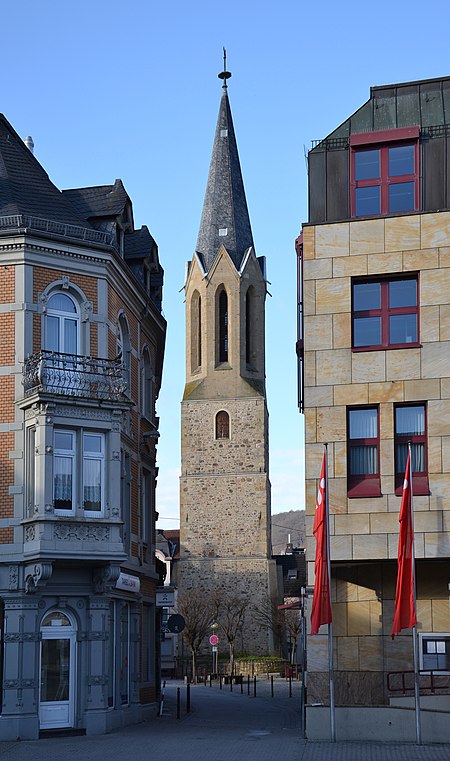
165	598
128	583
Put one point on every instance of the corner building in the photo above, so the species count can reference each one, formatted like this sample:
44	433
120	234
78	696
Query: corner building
374	260
82	343
225	487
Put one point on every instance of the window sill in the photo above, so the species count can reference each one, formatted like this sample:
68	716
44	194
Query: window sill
414	345
420	485
370	487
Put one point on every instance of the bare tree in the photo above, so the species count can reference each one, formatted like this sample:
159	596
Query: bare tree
267	614
196	607
293	625
230	614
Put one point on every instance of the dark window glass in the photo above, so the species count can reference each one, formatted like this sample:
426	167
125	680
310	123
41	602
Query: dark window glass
366	296
410	429
367	164
367	200
367	331
401	160
403	329
222	425
401	196
402	293
363	424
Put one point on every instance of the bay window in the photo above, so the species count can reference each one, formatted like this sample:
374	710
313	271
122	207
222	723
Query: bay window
78	471
363	452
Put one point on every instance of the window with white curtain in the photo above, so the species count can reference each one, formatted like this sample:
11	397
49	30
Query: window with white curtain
363	452
410	430
78	469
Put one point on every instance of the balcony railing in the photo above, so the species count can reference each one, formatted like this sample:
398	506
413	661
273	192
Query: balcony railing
73	375
26	222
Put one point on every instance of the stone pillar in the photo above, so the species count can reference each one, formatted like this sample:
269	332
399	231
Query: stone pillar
20	713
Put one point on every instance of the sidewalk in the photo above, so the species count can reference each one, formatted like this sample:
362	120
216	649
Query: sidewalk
222	726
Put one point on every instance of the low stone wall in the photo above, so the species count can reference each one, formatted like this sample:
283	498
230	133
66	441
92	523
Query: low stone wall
261	668
377	724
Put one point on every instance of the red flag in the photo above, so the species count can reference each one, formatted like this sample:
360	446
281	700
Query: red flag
405	610
321	604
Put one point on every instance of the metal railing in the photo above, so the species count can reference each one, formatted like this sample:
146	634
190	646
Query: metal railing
74	375
402	682
25	222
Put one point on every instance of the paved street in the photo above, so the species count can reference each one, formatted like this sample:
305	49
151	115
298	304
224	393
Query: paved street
222	726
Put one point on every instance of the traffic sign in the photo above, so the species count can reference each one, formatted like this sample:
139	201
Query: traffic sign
176	623
214	640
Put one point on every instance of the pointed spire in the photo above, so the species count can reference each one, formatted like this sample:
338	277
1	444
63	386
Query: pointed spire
225	219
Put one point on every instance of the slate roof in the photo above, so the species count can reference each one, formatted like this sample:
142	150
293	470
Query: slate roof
225	205
25	187
98	200
139	244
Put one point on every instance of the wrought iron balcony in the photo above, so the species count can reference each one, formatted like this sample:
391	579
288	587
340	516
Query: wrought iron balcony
72	375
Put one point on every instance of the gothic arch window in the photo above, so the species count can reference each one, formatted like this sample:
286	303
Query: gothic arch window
123	346
196	331
147	384
250	326
62	324
222	325
222	425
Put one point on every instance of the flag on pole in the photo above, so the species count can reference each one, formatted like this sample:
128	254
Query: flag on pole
321	604
405	608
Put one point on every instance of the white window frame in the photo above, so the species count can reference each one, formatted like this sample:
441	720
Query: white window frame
440	636
79	456
62	316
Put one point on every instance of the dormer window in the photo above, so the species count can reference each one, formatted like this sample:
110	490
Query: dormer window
384	172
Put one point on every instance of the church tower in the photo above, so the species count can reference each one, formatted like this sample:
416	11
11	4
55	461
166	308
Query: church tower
225	487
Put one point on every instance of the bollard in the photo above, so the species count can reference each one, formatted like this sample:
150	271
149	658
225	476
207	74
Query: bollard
188	698
164	684
220	681
271	685
254	686
290	686
242	683
205	680
210	680
231	682
248	684
178	702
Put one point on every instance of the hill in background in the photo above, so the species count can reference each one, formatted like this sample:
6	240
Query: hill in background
293	523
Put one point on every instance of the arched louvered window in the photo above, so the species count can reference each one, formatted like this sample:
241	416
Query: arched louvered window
222	425
196	331
223	326
250	326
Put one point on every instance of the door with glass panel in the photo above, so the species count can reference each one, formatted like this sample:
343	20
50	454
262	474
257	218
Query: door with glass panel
63	368
57	677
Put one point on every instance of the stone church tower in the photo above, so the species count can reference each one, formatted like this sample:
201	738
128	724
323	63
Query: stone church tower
225	487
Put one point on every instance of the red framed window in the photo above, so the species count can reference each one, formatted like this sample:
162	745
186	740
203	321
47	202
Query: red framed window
384	172
385	312
363	452
410	427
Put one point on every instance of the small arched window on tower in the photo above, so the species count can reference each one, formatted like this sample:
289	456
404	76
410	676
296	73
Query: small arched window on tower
196	331
222	325
222	425
250	326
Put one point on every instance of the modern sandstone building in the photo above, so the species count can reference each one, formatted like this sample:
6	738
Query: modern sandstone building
225	487
374	264
81	351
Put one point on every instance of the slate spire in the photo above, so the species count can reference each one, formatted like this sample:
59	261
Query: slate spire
225	219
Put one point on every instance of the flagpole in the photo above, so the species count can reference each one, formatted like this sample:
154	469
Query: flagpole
414	628
330	625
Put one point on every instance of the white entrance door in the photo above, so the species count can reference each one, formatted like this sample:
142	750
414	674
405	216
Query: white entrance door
57	692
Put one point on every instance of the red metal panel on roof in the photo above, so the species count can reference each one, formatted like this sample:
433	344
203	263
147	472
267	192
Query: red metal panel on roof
385	136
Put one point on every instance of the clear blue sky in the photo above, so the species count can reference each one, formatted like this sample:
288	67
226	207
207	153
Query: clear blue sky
110	89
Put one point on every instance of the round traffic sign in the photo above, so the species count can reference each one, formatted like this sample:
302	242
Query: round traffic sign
175	623
214	640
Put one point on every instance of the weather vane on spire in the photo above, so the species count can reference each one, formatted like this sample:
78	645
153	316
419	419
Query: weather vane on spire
224	74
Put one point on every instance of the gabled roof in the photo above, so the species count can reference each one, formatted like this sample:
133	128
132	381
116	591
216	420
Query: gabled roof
98	200
225	205
25	187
